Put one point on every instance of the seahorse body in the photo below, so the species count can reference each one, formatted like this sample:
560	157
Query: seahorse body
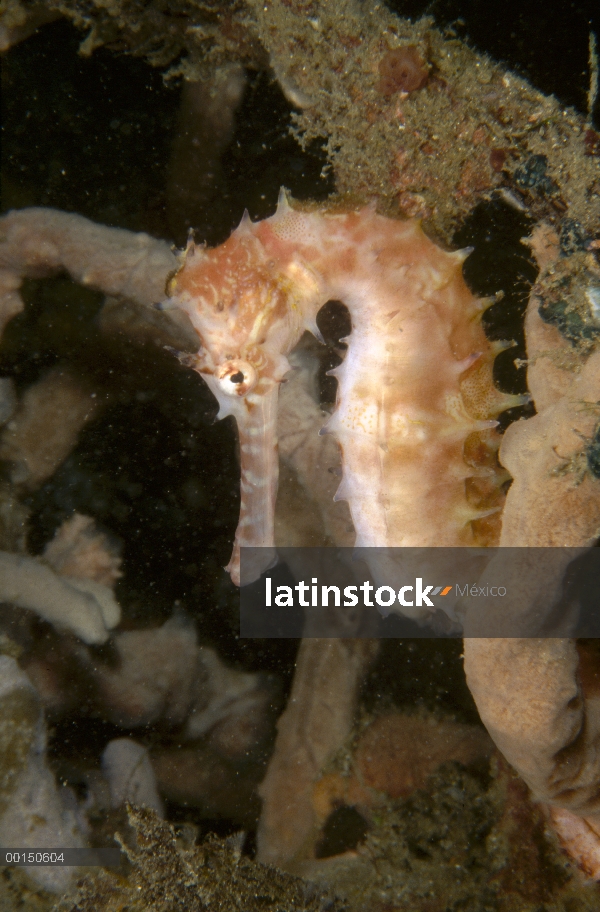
416	405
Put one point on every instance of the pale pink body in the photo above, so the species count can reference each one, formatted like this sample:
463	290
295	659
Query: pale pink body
416	403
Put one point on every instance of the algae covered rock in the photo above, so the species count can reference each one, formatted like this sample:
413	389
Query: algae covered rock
163	877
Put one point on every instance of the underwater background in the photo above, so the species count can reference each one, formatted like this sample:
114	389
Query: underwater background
98	135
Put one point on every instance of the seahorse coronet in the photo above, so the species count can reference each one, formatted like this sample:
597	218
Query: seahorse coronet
416	406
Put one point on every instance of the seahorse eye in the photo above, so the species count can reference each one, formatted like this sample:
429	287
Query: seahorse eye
236	378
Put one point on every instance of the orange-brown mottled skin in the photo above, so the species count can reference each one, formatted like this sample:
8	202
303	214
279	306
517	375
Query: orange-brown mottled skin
416	402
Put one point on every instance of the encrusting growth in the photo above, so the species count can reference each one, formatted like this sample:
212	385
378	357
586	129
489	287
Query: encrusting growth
416	404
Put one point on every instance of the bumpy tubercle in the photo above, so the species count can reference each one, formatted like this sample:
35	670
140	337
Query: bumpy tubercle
416	403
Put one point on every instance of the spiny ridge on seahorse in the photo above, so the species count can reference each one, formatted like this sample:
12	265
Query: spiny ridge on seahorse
416	403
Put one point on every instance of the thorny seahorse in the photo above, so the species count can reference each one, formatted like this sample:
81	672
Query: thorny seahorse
416	403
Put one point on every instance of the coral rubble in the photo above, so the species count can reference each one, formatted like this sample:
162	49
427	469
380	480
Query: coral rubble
165	876
34	811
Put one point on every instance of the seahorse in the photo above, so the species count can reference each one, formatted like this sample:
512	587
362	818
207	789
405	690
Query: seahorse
416	405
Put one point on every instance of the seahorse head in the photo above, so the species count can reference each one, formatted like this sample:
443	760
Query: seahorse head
249	301
249	305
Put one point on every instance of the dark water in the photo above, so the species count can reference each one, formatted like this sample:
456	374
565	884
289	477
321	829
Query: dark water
94	136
